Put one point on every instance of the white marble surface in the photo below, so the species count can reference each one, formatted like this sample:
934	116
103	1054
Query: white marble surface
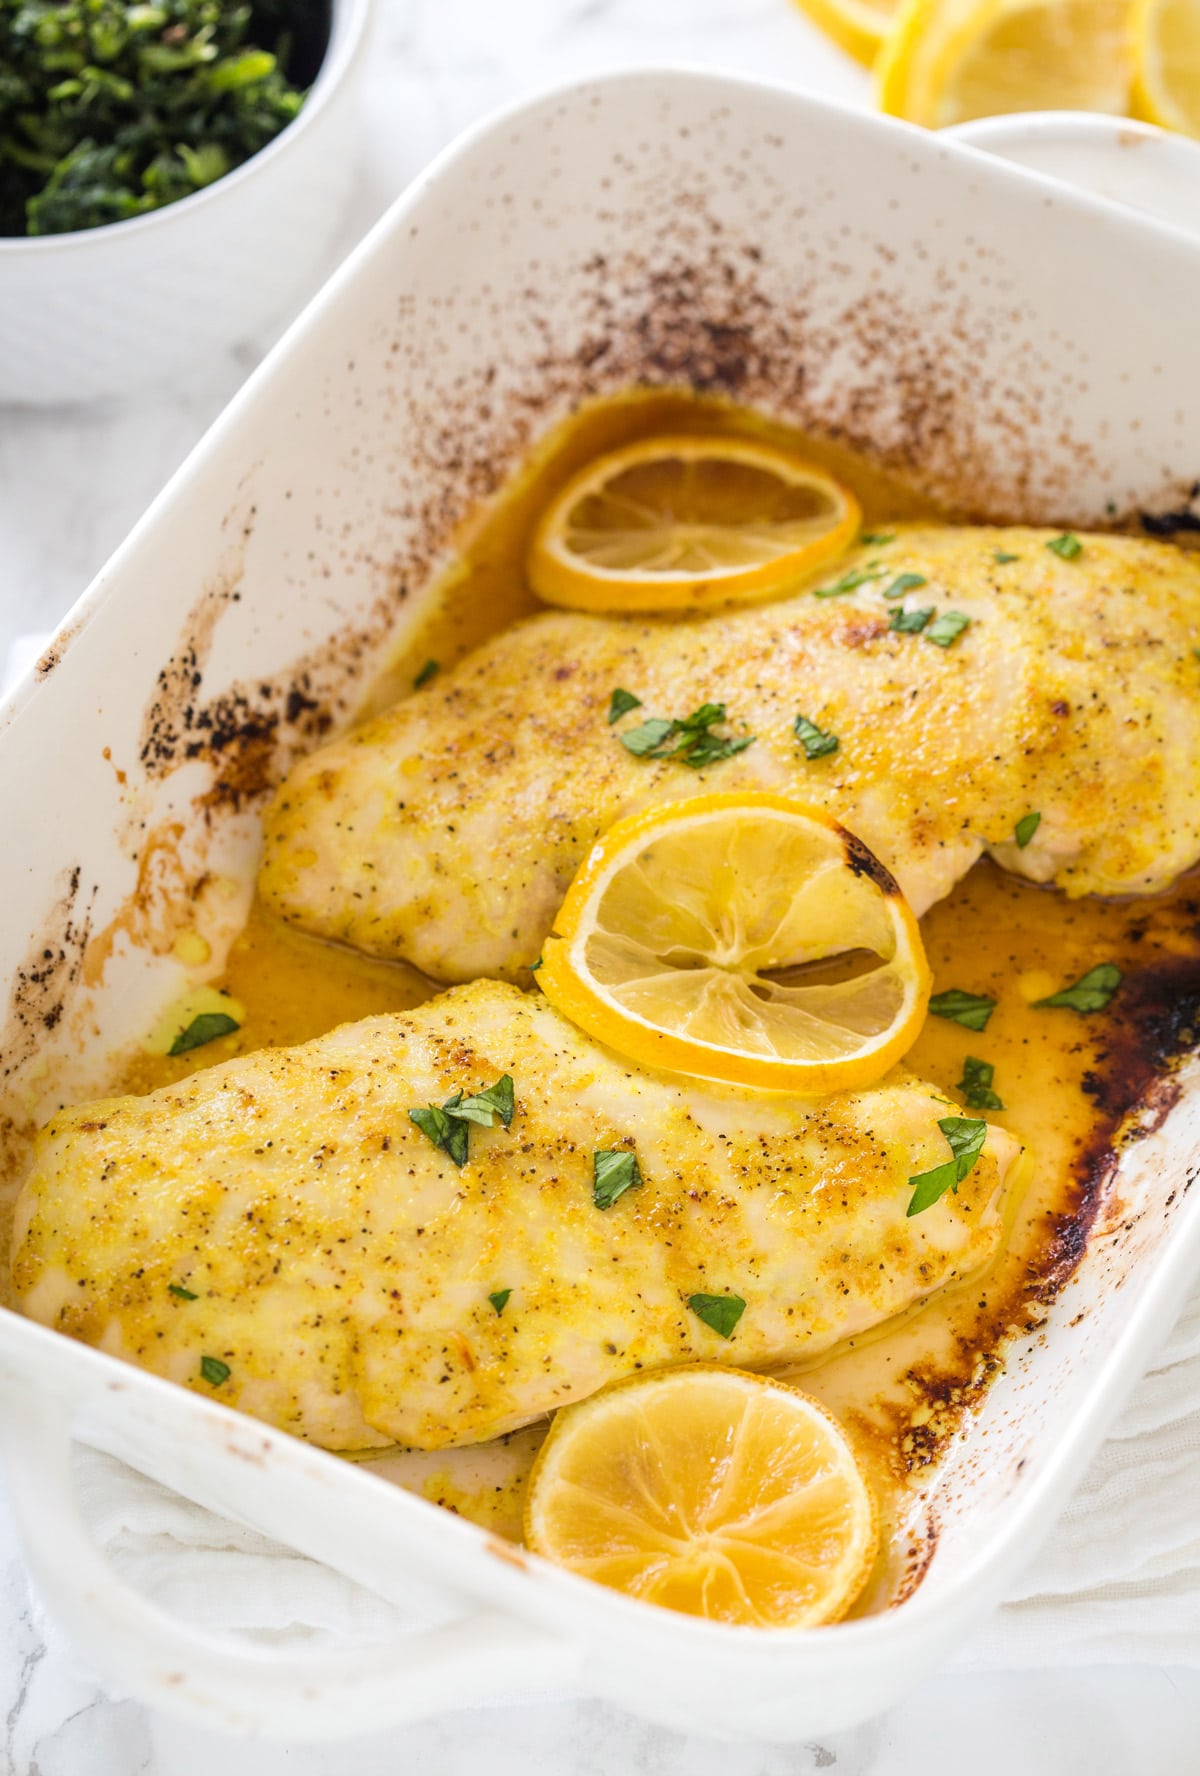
71	484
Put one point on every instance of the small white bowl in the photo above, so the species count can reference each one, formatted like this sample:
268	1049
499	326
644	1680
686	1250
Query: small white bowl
113	308
1127	163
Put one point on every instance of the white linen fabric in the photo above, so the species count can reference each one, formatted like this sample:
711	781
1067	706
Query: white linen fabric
1118	1580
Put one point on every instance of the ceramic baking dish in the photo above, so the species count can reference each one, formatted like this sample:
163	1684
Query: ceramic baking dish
1009	345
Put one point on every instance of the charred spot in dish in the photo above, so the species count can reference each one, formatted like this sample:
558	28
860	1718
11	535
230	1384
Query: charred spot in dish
863	862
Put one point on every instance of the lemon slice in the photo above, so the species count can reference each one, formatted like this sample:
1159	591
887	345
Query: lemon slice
946	61
709	1491
857	26
746	938
671	522
1167	49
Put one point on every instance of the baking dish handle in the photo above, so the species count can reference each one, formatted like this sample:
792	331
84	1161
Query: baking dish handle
228	1683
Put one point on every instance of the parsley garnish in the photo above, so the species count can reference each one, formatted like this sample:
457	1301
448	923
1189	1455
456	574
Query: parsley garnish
905	583
614	1171
448	1125
214	1371
1091	992
910	622
947	628
205	1028
1002	558
971	1010
875	539
690	740
183	1294
1025	828
621	703
851	581
815	741
976	1085
499	1299
428	670
966	1137
721	1312
1067	546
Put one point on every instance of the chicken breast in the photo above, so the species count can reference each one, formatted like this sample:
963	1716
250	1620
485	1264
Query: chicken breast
447	830
278	1232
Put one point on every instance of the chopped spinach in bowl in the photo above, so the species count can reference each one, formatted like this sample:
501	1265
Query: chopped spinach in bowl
110	109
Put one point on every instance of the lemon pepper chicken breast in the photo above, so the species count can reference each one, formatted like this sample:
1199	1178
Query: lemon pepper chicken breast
282	1217
446	830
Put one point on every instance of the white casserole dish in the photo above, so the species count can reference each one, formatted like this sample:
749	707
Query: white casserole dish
1010	345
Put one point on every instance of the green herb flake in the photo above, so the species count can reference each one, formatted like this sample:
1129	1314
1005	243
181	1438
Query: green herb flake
534	966
851	580
445	1131
614	1171
448	1125
875	539
946	629
499	1299
966	1137
214	1371
907	622
620	703
1067	546
975	1086
720	1312
817	743
484	1107
429	670
645	740
1091	992
1025	828
971	1010
179	1290
203	1029
905	583
690	739
1002	558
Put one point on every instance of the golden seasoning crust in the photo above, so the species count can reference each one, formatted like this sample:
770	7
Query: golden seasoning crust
446	831
342	1265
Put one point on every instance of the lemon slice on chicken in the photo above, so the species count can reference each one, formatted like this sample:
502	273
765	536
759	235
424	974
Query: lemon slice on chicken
670	523
742	937
708	1491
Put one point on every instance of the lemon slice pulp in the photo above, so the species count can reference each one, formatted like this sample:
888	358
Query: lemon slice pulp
742	937
709	1491
857	26
1167	50
671	522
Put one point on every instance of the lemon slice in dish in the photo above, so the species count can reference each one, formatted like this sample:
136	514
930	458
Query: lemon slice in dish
709	1491
857	26
668	523
946	61
1167	47
746	938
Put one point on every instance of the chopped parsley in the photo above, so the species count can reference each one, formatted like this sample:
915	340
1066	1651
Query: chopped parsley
499	1299
1002	558
448	1125
214	1371
947	628
817	743
205	1028
971	1010
428	671
1066	547
721	1312
183	1294
875	539
905	583
614	1171
1025	828
910	622
851	580
1091	992
976	1085
966	1136
620	703
690	740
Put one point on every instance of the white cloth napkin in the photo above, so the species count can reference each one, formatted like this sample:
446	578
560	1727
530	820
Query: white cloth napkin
1117	1581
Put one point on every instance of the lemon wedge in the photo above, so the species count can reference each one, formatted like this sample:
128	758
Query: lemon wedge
669	523
946	61
857	26
708	1491
1167	49
740	937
